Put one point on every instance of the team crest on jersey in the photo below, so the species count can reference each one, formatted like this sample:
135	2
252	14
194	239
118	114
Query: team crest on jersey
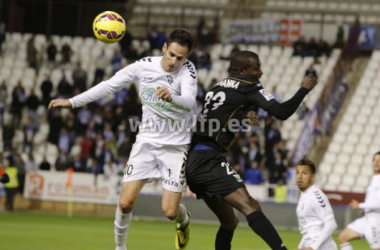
238	178
170	79
268	96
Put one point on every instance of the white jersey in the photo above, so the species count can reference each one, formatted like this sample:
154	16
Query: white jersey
159	117
315	219
371	203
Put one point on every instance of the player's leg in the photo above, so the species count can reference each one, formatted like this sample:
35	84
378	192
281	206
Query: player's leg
171	161
353	231
140	168
228	222
242	201
123	215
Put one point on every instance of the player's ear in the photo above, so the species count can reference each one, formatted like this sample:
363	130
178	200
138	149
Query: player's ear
164	47
242	71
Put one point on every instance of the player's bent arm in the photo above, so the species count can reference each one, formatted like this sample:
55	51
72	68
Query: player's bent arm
284	110
327	216
189	87
122	79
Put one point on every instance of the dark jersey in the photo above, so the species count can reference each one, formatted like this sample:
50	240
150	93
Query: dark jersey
226	105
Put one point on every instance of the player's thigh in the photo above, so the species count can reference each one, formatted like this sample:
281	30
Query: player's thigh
129	193
170	202
171	160
141	163
223	211
348	234
242	201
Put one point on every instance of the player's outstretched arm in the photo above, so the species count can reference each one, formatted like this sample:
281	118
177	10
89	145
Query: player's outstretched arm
60	103
284	110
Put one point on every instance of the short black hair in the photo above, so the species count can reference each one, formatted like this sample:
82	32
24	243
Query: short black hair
182	37
309	163
241	60
377	153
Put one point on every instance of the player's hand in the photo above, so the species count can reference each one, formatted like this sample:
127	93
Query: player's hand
163	93
253	118
309	82
354	204
60	103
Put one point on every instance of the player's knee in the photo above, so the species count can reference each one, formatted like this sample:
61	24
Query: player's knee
343	237
126	205
254	204
170	212
230	224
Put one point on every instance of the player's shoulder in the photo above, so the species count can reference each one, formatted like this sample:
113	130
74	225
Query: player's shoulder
189	69
149	60
318	195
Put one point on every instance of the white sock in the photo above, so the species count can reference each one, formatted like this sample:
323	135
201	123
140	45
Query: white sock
346	246
122	222
182	218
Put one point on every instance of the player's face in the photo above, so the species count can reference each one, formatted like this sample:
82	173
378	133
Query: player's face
304	177
376	164
254	69
174	56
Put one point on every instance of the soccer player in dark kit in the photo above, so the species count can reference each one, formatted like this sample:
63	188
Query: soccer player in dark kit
209	175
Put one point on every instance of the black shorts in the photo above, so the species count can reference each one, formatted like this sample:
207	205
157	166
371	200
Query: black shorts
209	174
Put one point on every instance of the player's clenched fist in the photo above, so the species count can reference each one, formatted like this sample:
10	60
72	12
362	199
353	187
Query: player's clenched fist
309	82
60	103
163	93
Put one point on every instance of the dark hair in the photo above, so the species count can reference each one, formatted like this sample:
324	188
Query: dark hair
241	60
309	163
182	37
377	153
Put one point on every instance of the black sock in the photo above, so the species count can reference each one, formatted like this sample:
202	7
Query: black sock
264	228
223	239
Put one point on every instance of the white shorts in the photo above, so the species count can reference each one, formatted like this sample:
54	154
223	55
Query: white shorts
149	160
329	244
369	228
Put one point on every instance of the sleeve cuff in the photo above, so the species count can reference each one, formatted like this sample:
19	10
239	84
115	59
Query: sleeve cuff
72	103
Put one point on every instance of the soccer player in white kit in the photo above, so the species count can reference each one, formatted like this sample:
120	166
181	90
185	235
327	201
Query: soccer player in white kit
316	219
367	226
167	89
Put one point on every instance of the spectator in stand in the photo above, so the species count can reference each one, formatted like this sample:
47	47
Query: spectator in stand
31	53
32	103
77	164
56	123
277	171
152	37
254	175
64	87
64	141
66	53
3	101
30	164
116	61
125	149
253	153
46	89
63	162
126	43
312	48
72	125
18	101
302	111
108	133
8	134
45	165
20	165
29	130
205	59
300	47
339	42
51	52
101	64
272	137
80	78
324	48
161	39
87	149
2	35
84	116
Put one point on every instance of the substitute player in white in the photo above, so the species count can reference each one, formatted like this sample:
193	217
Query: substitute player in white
316	219
367	226
167	89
